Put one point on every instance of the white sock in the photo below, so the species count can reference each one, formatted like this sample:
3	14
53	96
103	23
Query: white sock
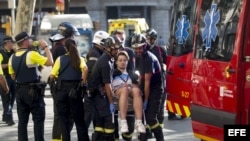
123	121
138	121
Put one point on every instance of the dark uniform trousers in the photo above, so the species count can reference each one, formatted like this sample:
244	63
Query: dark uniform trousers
104	122
153	107
11	85
8	100
27	104
89	110
56	129
71	108
160	115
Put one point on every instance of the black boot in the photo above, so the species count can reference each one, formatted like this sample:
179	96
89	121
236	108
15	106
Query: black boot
4	118
149	134
9	120
158	133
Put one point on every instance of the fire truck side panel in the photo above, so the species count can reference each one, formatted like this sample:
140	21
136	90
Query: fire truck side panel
220	72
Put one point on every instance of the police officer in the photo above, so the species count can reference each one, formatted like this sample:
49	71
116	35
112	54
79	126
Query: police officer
65	30
4	89
8	100
23	68
94	53
150	83
70	70
100	85
3	82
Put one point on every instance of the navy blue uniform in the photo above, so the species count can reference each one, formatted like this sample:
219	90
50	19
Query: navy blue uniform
29	99
150	64
57	51
161	55
69	104
8	100
101	74
92	56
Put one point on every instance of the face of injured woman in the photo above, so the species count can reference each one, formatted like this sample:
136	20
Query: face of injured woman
122	61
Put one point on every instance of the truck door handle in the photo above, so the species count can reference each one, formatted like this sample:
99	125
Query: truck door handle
231	70
170	71
181	65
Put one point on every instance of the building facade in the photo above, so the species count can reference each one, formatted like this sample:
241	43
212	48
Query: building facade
156	12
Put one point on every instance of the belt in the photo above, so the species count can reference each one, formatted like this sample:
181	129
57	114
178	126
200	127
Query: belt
26	83
69	82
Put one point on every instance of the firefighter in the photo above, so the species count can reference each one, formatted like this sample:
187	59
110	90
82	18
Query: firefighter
7	100
23	68
121	35
94	53
65	30
150	83
161	55
70	71
100	90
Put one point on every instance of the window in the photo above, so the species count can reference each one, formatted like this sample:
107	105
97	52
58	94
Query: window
223	34
187	8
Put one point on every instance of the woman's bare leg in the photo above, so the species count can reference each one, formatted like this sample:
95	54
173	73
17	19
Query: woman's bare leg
137	102
123	102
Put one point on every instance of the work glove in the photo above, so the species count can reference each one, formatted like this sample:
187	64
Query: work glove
112	108
145	104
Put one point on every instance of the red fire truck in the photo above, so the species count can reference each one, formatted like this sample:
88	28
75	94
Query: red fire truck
215	75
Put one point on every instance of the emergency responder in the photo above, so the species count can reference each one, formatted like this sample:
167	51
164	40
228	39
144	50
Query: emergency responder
7	100
150	83
94	53
100	90
23	68
70	71
161	55
65	30
121	35
3	82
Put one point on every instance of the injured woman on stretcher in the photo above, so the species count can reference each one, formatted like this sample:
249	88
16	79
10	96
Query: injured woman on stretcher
125	85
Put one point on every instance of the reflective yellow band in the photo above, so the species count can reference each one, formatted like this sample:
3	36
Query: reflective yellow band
99	129
56	139
155	126
127	135
109	131
170	108
162	125
204	137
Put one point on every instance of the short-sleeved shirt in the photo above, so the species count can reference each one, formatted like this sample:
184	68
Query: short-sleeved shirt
102	71
56	67
33	59
1	70
160	53
118	81
149	64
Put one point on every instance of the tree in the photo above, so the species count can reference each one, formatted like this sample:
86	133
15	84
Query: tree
24	16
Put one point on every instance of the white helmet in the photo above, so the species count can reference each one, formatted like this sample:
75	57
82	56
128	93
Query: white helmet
99	36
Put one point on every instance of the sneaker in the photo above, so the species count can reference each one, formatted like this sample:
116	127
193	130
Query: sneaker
124	127
139	127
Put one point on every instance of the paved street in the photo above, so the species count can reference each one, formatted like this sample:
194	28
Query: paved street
173	131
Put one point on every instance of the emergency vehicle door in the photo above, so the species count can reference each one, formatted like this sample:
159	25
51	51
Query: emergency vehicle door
179	59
